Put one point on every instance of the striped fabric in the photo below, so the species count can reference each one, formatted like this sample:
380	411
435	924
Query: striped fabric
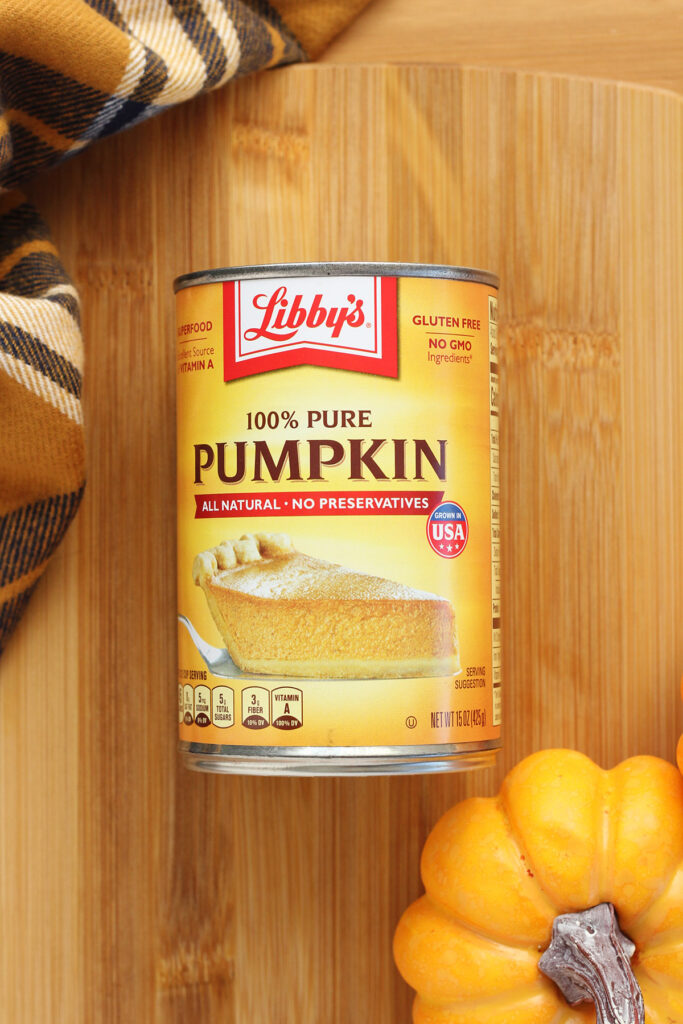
72	72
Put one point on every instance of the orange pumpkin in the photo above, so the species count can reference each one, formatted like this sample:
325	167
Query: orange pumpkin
679	748
562	836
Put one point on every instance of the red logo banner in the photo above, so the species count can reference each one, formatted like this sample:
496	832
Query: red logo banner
345	323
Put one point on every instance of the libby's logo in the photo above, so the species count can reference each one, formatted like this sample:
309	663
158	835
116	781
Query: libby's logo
282	316
348	323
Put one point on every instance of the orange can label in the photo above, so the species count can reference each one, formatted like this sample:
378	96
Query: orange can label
338	512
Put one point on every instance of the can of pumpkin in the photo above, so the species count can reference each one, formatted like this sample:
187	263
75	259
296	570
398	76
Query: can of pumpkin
338	519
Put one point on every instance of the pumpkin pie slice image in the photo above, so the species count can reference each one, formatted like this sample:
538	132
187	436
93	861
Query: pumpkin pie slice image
282	612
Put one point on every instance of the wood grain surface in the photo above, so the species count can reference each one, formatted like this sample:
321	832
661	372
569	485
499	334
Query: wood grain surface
134	891
627	40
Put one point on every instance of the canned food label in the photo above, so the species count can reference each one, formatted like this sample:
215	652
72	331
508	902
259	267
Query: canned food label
338	513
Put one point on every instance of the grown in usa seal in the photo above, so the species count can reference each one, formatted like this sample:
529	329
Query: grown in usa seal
448	529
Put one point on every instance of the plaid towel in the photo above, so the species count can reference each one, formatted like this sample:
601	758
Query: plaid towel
71	72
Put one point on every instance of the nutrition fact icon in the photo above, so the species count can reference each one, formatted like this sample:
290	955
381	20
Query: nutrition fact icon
287	708
188	704
202	706
255	707
223	707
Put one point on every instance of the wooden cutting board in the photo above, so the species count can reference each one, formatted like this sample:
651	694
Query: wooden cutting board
134	891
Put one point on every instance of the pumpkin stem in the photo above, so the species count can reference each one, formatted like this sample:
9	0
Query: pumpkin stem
589	959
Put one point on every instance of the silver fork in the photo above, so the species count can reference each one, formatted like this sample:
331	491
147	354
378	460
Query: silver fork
217	659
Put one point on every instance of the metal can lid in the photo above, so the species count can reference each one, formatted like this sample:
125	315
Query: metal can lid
343	269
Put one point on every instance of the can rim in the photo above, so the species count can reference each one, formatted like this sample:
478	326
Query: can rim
337	269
